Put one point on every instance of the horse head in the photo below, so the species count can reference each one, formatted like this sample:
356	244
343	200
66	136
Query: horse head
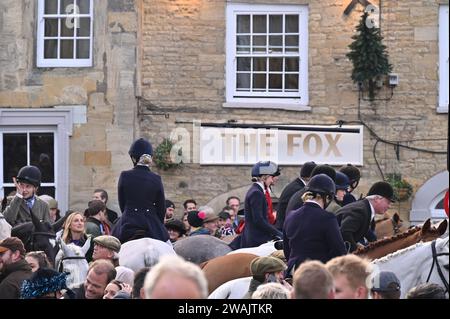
430	232
73	262
43	237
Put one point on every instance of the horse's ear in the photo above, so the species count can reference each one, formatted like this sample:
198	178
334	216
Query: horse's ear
426	226
396	218
86	245
442	228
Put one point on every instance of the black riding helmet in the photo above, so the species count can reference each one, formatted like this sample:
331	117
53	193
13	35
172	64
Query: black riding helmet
139	147
352	173
321	184
30	175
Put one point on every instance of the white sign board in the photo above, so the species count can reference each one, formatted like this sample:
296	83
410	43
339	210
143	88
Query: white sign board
285	145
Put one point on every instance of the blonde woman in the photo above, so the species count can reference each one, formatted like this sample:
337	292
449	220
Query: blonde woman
74	232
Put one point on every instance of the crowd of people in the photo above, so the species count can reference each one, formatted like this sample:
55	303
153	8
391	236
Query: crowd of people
318	220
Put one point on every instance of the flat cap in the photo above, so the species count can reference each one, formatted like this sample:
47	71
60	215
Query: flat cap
109	242
261	265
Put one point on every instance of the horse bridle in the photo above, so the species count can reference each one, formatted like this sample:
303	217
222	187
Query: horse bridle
436	261
61	266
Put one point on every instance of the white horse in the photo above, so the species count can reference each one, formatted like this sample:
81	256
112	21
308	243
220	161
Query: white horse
262	250
418	264
71	259
144	252
5	228
233	289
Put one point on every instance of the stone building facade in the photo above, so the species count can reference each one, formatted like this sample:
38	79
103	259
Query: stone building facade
160	65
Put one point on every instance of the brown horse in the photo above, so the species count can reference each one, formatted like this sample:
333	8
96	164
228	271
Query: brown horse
385	246
225	268
389	226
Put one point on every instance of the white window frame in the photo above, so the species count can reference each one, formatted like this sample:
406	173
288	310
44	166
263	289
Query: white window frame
58	62
29	130
443	60
279	100
59	120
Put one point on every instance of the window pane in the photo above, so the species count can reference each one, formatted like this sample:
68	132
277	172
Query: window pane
243	64
440	205
243	24
67	27
276	43
84	29
259	82
259	64
66	49
47	190
41	155
275	82
9	191
259	24
83	6
82	49
50	49
243	43
51	6
67	7
276	24
292	65
276	64
291	82
291	43
243	81
51	28
259	43
14	154
292	23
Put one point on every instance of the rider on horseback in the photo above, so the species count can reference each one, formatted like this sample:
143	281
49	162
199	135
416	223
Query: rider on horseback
25	201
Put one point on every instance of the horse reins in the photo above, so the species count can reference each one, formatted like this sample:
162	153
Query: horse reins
435	261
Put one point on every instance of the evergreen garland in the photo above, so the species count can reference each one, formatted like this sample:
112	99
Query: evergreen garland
162	158
368	55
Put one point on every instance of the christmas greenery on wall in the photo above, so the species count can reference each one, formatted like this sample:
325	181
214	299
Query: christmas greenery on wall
368	55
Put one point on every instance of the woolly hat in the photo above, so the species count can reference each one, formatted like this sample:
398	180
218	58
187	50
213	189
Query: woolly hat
43	281
195	218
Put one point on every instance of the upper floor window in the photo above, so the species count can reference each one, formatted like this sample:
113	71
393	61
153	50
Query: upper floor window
267	54
64	33
443	59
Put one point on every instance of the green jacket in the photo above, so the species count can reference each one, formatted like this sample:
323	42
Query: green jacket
17	212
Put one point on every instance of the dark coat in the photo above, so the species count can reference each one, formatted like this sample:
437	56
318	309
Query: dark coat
12	277
311	233
295	202
142	202
18	212
112	215
285	196
354	221
257	229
